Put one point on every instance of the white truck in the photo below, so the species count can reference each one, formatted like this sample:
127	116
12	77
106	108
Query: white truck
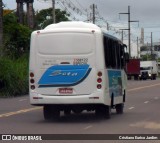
148	70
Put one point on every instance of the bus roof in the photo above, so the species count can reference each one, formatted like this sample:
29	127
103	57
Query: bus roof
73	24
79	25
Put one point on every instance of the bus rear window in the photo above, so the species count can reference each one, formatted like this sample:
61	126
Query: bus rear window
66	43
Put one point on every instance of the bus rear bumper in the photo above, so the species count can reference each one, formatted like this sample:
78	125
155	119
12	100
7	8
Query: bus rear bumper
39	99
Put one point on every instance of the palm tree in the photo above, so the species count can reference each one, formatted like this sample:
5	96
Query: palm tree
1	26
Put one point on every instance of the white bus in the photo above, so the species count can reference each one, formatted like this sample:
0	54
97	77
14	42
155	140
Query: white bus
75	66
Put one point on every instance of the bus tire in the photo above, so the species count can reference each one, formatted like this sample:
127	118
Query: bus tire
154	77
107	112
124	96
77	111
119	108
103	111
47	112
67	112
55	113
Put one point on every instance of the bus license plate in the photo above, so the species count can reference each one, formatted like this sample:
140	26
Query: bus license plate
65	90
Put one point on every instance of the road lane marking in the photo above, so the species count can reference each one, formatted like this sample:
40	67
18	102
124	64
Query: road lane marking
138	88
147	125
19	112
131	108
22	100
156	98
146	102
88	127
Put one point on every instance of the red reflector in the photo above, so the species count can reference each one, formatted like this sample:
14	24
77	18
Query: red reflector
32	87
99	74
99	80
31	74
99	86
37	97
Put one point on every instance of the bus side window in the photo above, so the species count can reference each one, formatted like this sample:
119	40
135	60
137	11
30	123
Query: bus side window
108	53
105	50
113	53
118	56
122	56
113	47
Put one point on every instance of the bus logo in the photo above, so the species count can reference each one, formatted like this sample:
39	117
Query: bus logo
59	72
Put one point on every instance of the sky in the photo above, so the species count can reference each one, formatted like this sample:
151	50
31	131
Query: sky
147	12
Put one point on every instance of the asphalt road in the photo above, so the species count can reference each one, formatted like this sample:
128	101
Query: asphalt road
141	116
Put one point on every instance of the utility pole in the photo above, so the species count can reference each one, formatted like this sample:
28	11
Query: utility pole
107	26
151	47
93	8
1	27
54	14
137	48
147	51
129	30
122	34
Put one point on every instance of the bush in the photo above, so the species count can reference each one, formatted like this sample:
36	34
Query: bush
14	76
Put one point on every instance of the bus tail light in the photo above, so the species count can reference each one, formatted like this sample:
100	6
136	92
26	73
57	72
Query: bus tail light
99	80
32	87
99	86
32	81
31	74
99	74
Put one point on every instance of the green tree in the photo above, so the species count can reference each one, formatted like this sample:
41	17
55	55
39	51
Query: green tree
16	36
146	57
158	60
44	17
144	48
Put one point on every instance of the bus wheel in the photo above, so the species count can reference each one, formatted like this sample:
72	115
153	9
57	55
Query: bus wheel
77	111
103	111
55	113
119	108
67	112
107	112
47	112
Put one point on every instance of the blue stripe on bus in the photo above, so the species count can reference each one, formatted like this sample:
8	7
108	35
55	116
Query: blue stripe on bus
64	75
